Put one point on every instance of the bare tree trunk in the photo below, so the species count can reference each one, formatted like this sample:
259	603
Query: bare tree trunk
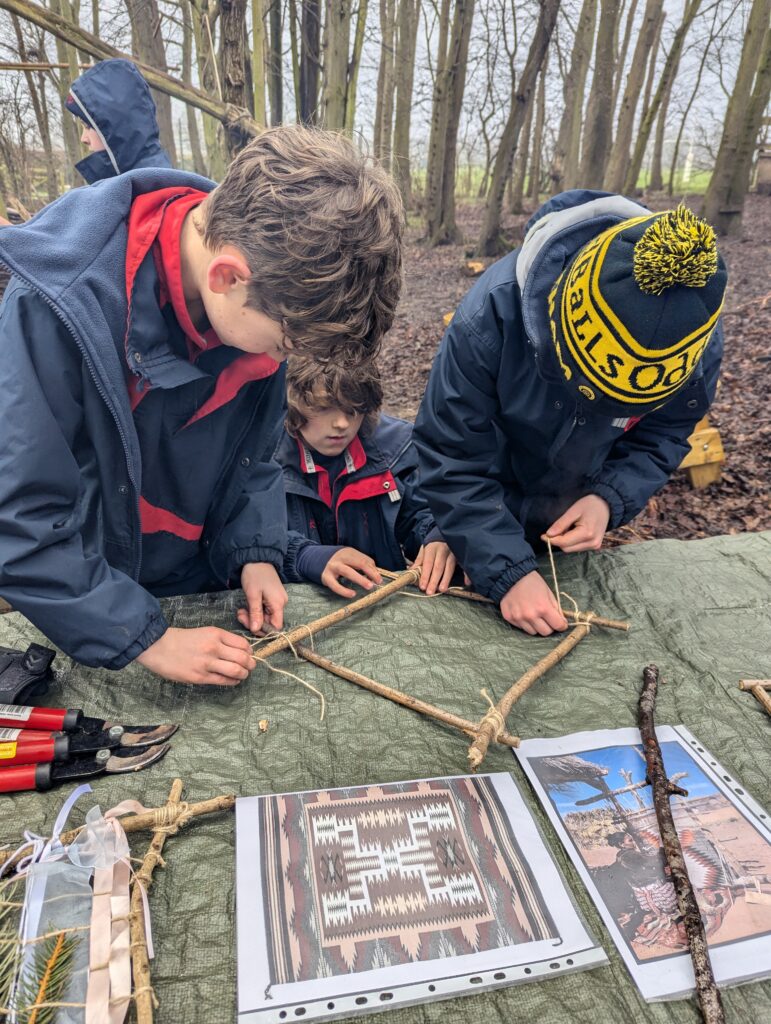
597	136
440	206
233	52
147	44
490	242
620	61
258	61
310	61
65	54
437	136
619	155
353	67
724	201
534	185
656	183
409	12
275	79
334	86
384	102
37	96
713	34
564	167
199	164
294	47
668	75
519	171
654	56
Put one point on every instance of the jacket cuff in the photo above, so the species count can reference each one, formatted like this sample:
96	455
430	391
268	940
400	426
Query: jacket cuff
312	560
614	500
433	536
154	631
243	556
513	575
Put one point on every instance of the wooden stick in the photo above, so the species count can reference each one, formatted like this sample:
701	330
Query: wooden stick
758	687
179	816
469	728
707	992
144	997
469	595
294	636
496	717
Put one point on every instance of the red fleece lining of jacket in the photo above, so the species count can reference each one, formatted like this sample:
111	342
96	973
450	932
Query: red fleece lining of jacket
159	520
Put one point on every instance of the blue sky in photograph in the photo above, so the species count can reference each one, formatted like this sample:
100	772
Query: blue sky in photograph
676	759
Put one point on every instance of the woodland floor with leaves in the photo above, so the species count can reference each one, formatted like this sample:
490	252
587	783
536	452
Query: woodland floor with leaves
434	283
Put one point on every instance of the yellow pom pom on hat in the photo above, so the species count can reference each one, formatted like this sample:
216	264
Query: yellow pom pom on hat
633	312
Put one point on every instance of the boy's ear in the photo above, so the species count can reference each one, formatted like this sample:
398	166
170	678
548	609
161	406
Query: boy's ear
227	270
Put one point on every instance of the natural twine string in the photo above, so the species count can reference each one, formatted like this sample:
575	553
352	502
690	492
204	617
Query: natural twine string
283	672
493	713
586	619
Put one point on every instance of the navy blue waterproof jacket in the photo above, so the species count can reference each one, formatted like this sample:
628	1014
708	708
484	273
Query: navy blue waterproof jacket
113	98
70	463
505	448
377	503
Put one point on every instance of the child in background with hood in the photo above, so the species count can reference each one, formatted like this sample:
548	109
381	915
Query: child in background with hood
120	126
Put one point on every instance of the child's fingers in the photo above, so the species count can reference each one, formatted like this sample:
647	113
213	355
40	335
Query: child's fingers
577	535
566	520
370	569
226	673
427	567
437	569
337	587
349	573
233	639
447	575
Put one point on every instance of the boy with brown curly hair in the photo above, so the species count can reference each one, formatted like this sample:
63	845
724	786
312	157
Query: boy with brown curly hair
143	332
352	488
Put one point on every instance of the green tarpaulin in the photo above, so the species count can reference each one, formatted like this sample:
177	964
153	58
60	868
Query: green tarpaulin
700	610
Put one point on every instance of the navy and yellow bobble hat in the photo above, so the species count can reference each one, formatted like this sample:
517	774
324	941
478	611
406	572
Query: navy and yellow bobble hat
633	312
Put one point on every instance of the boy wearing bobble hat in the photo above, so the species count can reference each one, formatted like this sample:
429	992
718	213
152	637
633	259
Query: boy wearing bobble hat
566	387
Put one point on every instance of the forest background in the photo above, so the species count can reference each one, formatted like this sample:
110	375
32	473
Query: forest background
481	109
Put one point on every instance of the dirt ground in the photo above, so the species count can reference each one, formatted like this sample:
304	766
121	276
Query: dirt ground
741	501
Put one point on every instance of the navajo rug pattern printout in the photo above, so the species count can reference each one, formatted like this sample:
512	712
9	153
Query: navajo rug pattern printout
364	878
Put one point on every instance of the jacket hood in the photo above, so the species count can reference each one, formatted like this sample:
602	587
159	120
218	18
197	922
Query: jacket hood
554	234
113	98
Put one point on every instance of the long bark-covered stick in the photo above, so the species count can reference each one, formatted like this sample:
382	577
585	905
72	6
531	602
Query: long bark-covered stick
495	718
144	997
178	815
758	687
707	992
294	636
470	595
430	710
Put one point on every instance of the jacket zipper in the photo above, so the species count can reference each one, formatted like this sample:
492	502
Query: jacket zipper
102	393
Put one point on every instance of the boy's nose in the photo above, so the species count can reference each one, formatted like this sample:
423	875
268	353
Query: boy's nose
341	422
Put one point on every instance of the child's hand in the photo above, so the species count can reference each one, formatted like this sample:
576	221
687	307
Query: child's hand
205	657
437	563
583	526
352	565
265	598
531	606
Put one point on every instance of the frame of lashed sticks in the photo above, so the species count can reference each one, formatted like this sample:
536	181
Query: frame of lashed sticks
491	728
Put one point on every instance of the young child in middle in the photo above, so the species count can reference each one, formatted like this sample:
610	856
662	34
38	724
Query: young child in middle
351	482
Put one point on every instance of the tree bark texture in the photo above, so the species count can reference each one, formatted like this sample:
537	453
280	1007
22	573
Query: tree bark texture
384	100
147	44
521	159
564	167
275	78
707	992
620	58
597	135
724	201
334	88
65	53
534	183
656	183
409	13
199	164
233	50
440	202
668	75
310	61
38	98
353	67
619	154
489	239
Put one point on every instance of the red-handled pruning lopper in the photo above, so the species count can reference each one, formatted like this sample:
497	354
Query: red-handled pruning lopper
51	744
